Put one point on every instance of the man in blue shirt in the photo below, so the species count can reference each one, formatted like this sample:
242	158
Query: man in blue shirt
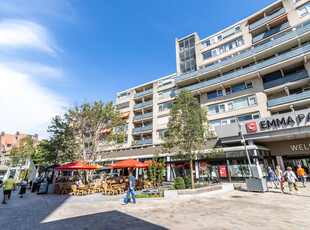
131	189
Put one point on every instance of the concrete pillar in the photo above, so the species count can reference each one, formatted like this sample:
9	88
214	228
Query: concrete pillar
280	162
168	170
196	170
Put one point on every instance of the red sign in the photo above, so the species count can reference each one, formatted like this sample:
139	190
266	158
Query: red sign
251	126
223	171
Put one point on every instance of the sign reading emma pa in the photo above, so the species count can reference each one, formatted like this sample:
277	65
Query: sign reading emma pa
284	121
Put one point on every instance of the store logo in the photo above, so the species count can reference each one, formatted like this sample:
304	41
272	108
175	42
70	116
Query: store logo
251	126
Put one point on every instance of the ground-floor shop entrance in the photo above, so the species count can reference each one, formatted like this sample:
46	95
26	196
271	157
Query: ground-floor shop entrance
294	161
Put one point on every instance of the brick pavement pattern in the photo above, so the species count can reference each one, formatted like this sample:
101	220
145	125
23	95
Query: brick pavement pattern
231	210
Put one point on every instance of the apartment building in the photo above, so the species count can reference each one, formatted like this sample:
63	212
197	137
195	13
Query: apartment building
257	68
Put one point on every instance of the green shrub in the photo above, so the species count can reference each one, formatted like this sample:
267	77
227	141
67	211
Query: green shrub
198	186
179	183
188	181
172	187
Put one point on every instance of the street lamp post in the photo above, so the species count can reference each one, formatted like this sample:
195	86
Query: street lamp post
244	144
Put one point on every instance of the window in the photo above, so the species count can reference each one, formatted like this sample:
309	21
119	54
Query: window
222	108
220	93
8	145
212	94
304	10
222	49
256	115
213	124
249	84
228	90
213	109
123	95
240	103
165	82
164	106
162	133
237	88
252	100
230	105
166	93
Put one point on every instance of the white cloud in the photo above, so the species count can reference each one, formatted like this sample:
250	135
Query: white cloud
26	106
25	35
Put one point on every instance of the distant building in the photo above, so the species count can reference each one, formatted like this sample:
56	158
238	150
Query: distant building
7	141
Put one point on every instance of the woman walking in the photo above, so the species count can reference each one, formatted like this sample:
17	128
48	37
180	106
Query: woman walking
271	176
291	180
279	177
23	187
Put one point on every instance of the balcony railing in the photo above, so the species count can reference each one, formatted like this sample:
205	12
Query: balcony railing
141	105
281	38
254	68
142	142
143	116
266	19
142	129
271	32
286	79
143	93
288	99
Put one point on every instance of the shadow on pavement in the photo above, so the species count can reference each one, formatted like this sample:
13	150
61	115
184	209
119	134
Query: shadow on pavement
104	220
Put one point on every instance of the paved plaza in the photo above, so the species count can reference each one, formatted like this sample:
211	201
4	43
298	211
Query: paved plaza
229	210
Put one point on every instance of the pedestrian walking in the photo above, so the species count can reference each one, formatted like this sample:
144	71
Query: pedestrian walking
23	187
279	176
131	189
8	184
302	175
291	180
271	176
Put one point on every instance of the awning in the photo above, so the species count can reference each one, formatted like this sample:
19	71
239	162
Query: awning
129	163
77	166
107	130
125	115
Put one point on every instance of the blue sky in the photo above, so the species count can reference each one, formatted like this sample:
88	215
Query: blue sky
54	54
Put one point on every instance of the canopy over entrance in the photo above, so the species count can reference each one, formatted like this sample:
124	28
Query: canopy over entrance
76	166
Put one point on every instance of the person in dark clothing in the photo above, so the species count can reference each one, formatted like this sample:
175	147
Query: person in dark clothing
131	189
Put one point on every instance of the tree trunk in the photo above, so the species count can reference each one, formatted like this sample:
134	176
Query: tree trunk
192	174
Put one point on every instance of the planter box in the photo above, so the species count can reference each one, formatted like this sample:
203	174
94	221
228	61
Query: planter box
256	185
198	192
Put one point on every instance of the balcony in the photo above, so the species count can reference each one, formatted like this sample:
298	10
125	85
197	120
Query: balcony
266	19
281	38
142	129
142	142
142	116
289	99
286	79
251	69
149	91
141	105
271	32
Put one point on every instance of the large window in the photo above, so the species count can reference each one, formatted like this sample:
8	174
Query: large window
223	49
164	106
304	10
240	118
161	133
220	37
163	120
230	89
232	105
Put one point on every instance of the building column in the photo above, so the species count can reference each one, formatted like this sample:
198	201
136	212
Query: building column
168	170
280	162
196	170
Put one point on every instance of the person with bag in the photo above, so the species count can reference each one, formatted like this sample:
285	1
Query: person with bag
279	176
8	184
23	186
302	175
291	180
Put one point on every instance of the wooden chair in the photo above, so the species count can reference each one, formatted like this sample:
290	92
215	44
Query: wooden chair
106	189
57	188
139	185
98	187
123	187
75	191
116	189
91	188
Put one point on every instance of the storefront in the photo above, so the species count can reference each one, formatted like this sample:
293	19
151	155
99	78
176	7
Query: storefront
287	136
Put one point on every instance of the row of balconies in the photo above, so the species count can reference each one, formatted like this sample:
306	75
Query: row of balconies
251	69
143	116
271	32
289	99
282	38
286	79
143	93
267	19
142	129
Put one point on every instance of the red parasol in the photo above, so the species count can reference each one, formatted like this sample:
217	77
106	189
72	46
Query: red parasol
76	166
129	163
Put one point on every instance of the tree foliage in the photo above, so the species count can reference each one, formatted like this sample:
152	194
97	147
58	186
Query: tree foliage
91	123
188	129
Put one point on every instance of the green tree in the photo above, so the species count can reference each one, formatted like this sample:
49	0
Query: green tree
62	147
96	125
152	170
188	129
